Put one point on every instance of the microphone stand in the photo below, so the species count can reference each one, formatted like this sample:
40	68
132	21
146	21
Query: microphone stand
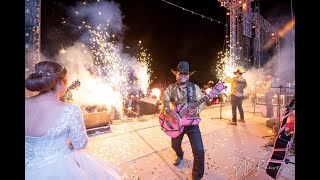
220	96
220	106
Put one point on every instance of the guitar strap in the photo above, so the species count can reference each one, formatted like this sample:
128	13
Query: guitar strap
191	92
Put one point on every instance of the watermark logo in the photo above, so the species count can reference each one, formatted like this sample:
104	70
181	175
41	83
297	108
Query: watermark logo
247	166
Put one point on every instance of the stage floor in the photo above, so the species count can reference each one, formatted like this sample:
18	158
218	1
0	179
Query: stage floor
142	151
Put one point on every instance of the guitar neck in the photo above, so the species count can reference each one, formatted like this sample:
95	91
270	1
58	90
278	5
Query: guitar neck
199	102
194	105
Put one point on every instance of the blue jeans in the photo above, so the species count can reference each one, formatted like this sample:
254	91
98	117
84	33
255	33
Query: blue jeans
236	102
194	135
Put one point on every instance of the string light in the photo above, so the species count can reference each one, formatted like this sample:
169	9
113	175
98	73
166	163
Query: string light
192	12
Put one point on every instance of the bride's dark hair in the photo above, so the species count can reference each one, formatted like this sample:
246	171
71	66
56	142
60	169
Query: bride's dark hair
45	76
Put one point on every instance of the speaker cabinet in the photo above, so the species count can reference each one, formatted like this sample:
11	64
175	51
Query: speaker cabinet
261	99
96	119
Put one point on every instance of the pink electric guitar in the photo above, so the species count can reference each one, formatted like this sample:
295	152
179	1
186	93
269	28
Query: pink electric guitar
174	127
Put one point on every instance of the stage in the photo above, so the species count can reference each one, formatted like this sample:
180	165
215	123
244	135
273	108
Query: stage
142	151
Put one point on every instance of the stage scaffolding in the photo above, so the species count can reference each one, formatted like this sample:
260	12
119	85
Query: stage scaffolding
32	33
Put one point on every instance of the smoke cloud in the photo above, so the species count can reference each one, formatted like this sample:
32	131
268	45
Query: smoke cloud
107	74
281	64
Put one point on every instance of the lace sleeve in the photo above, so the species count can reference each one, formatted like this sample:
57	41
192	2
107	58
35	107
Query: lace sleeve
77	133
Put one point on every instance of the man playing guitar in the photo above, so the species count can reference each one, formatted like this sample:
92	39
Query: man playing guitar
183	92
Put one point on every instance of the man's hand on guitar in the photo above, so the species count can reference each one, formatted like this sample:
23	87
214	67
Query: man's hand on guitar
175	116
191	112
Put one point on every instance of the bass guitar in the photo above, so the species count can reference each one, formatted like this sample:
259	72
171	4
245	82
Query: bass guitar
173	127
282	145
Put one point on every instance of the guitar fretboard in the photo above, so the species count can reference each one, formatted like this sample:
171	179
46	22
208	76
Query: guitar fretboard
200	101
194	105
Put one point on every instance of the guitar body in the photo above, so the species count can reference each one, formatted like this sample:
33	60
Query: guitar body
187	121
170	126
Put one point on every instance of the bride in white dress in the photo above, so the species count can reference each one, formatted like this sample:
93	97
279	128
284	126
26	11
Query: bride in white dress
55	134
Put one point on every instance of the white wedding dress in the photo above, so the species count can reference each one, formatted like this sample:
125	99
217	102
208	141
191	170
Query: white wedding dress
58	155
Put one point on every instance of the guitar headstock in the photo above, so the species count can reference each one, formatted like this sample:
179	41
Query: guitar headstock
217	89
74	84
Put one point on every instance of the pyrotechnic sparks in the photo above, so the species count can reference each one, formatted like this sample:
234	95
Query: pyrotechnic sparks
225	68
107	62
108	84
111	76
145	71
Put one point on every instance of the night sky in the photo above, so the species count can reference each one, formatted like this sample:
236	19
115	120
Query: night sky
169	33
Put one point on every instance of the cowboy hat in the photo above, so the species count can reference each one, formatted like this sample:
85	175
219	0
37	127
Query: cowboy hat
183	67
240	71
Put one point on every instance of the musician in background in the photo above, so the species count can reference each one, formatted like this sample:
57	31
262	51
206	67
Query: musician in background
68	96
268	94
177	94
132	106
238	84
